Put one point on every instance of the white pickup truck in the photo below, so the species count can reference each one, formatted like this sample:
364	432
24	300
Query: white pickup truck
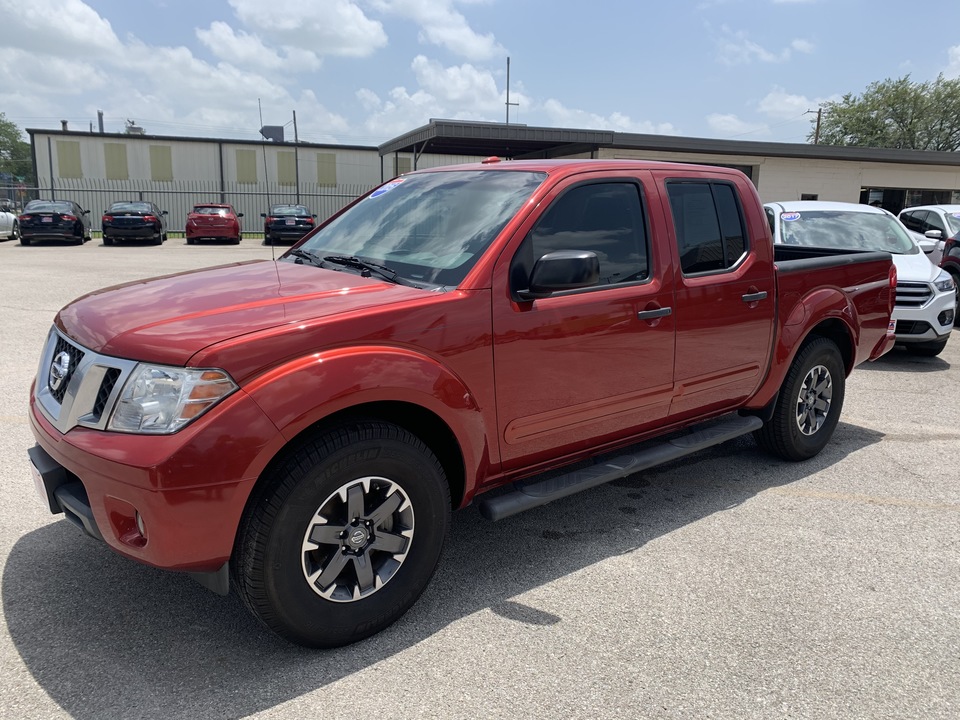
9	225
926	295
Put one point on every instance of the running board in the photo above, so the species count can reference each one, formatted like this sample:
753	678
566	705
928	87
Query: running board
533	492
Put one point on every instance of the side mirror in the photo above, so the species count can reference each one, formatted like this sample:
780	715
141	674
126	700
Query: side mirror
314	216
263	215
239	214
935	234
562	270
163	212
84	212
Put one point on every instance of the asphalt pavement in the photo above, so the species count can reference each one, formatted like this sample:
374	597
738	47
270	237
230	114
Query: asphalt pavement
727	585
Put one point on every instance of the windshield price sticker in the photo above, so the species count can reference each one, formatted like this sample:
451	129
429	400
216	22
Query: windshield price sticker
386	188
956	215
789	216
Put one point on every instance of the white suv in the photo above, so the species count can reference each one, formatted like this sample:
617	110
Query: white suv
926	295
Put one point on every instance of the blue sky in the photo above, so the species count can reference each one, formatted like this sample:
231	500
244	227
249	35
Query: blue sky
364	71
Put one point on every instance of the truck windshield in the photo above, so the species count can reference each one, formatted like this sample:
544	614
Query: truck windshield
846	229
428	228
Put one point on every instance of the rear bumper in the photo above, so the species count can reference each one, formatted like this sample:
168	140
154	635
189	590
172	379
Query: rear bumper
31	234
135	233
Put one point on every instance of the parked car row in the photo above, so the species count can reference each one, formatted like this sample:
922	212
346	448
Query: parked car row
65	220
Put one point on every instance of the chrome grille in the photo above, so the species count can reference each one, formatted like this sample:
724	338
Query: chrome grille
88	392
913	294
76	355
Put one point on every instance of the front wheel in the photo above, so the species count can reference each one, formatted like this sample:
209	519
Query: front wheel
809	404
15	232
344	535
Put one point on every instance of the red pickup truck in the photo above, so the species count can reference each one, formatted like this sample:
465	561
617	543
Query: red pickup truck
300	430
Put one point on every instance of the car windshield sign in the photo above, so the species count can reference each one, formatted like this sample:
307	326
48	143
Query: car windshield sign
846	229
430	228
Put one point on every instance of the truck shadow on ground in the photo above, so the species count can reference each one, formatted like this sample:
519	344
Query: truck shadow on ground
902	360
107	638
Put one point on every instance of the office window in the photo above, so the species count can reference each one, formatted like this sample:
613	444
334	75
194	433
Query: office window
247	167
68	159
161	163
115	161
286	168
327	169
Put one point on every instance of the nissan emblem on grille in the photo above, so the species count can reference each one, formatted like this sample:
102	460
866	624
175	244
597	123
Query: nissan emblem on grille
59	370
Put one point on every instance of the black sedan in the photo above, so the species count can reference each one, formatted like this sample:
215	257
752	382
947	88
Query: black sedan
54	220
134	220
287	223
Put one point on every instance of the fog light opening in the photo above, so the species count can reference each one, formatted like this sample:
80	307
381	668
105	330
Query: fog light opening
141	528
946	317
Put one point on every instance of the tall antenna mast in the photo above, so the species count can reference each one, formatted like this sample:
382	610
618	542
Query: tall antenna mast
508	103
266	179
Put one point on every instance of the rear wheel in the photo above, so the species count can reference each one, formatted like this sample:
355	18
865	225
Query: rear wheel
23	240
809	404
235	241
191	241
344	536
107	240
157	239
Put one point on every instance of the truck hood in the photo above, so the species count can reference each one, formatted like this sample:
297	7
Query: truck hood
169	319
915	268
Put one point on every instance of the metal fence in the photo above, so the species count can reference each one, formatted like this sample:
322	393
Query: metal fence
178	197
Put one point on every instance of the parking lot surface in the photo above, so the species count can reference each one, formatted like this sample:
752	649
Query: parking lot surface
727	585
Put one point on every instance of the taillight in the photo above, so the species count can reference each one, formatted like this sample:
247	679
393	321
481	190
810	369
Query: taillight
309	220
68	218
271	219
892	278
25	217
150	218
106	219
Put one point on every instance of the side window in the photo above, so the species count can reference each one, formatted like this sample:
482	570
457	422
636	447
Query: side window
935	223
913	220
604	218
709	225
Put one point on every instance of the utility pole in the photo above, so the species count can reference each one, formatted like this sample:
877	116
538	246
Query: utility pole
508	103
296	155
816	133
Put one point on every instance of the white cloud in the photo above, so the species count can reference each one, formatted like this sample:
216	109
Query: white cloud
953	68
561	116
245	50
735	48
781	105
463	86
730	126
440	24
332	27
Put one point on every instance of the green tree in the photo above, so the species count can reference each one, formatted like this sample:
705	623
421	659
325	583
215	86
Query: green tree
14	153
895	114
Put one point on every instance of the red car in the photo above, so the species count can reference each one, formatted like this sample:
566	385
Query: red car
213	221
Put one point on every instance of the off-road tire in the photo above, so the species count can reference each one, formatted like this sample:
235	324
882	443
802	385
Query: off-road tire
799	428
274	556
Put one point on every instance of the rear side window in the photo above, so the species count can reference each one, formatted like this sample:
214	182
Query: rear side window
604	218
709	225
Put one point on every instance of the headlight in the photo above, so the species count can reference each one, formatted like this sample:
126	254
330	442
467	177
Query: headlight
944	282
159	400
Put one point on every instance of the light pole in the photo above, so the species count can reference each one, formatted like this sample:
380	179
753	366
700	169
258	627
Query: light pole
816	133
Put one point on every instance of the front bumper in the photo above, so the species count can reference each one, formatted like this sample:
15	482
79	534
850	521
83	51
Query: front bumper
930	323
169	501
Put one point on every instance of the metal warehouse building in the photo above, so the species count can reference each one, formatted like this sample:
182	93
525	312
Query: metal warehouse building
175	172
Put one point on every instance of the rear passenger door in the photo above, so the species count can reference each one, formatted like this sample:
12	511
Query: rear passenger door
725	294
583	367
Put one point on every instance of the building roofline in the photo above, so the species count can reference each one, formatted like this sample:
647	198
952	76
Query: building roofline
185	138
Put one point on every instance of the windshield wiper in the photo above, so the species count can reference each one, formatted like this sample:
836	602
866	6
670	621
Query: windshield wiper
367	268
310	257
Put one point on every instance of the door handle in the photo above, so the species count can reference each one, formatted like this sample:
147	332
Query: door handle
754	297
654	314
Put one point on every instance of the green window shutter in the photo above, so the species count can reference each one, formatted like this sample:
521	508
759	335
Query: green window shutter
327	169
68	159
247	167
286	168
161	163
115	159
